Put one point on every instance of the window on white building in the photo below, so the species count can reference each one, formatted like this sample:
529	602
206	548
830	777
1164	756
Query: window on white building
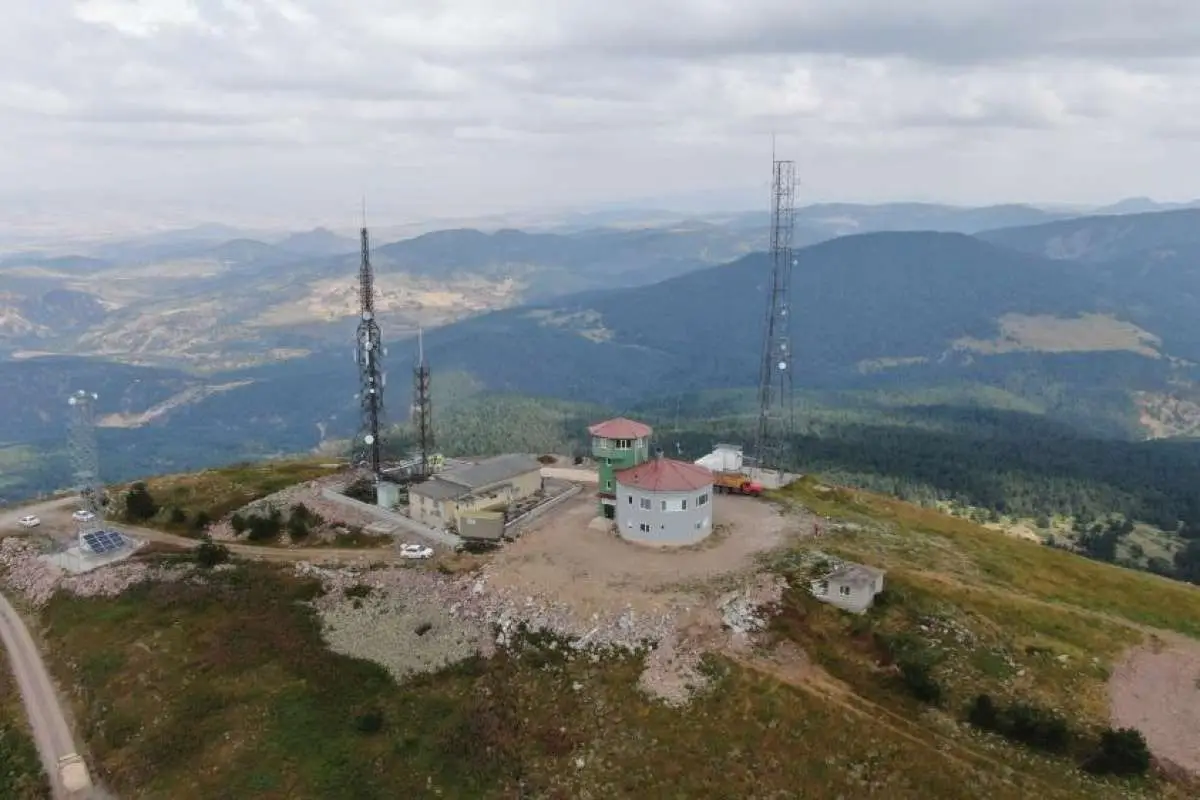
645	504
844	591
702	500
644	527
683	505
664	505
630	499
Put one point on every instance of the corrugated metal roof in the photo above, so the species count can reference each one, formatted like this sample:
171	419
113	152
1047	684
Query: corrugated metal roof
621	428
854	575
666	475
438	489
492	470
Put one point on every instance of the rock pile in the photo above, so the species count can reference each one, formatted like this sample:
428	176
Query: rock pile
415	620
38	580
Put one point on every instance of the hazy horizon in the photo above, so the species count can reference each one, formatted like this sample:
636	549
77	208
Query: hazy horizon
124	114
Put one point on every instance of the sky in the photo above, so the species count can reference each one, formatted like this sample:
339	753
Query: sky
141	112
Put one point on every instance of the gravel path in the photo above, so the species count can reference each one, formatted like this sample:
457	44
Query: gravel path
1156	689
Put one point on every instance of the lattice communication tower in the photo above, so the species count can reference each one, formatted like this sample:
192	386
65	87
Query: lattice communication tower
422	409
776	411
85	456
368	450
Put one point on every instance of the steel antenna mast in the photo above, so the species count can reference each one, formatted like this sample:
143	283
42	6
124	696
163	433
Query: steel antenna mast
368	452
85	458
776	416
422	408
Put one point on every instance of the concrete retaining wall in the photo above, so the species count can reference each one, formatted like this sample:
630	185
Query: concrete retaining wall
384	515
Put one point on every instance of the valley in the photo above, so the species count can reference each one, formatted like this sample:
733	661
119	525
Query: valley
987	426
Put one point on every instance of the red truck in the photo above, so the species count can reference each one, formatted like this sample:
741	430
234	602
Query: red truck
735	483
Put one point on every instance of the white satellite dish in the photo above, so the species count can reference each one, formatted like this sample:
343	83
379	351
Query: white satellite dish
369	439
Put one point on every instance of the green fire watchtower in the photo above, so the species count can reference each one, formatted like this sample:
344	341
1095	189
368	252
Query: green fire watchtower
616	445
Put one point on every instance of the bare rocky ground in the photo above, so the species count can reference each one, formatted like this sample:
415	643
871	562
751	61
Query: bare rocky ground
37	581
1156	689
591	589
338	518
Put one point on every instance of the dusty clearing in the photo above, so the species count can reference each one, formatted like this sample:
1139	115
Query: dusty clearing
594	570
575	579
1156	689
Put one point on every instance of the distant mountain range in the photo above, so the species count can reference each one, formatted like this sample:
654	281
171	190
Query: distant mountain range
1100	336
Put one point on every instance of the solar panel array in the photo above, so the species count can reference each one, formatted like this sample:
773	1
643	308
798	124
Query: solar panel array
103	541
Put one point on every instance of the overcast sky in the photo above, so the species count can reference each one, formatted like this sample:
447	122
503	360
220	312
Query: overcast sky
256	111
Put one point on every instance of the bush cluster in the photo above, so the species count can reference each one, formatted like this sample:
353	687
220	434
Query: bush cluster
1121	752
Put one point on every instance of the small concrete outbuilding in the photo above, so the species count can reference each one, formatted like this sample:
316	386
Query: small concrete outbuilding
664	502
851	587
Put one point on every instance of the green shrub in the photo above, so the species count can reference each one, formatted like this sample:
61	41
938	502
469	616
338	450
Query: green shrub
983	713
1121	752
201	521
139	505
209	554
918	679
369	723
1028	724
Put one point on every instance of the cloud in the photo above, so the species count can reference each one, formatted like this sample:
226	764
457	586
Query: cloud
291	108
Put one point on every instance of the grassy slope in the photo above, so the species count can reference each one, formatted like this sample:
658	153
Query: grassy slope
220	491
224	690
21	776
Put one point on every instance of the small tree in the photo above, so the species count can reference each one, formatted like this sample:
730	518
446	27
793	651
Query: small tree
177	516
209	554
139	505
238	523
919	681
1122	752
983	713
297	527
201	521
369	723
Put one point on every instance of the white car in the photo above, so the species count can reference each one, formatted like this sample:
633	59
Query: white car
415	551
83	516
29	522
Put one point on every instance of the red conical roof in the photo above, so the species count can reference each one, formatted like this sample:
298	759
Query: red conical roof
665	475
620	428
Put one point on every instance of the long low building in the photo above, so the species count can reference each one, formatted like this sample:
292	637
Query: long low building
491	484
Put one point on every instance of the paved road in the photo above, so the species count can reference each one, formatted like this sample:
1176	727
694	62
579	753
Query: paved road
51	733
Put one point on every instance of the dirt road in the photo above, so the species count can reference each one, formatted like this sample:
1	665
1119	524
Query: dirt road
56	521
51	733
1156	689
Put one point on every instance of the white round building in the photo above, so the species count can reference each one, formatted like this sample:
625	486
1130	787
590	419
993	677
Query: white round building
664	502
